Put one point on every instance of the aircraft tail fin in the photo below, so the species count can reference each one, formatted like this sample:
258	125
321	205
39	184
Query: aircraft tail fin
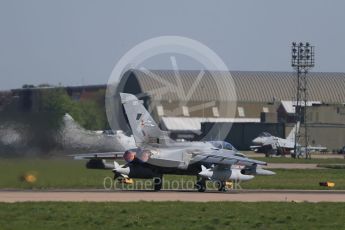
145	130
291	135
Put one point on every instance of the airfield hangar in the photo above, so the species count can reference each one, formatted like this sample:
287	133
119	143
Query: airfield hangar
190	103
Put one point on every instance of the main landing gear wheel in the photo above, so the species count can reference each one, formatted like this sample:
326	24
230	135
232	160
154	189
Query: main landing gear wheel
221	185
158	182
201	185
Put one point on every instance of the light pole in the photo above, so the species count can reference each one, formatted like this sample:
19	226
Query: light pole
302	59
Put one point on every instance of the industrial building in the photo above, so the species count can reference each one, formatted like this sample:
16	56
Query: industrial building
264	101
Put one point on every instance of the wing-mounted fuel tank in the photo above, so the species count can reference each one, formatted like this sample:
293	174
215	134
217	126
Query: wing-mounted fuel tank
256	170
224	174
221	173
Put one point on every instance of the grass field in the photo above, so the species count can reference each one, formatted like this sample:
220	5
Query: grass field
64	173
172	215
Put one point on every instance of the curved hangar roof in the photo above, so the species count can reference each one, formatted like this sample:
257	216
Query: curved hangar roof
250	86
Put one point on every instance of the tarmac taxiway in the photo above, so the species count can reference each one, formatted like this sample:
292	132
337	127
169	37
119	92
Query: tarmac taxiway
11	196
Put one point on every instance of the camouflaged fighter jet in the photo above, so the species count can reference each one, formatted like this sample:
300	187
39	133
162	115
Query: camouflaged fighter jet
275	146
156	154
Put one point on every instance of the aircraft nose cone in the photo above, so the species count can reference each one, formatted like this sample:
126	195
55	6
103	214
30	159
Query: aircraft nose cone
246	177
264	172
257	140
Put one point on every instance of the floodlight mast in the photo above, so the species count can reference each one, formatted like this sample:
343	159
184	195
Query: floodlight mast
302	60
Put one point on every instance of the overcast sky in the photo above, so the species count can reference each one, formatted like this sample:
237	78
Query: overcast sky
76	42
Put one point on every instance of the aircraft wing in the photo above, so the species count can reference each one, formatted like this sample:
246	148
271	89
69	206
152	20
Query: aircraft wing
106	155
226	159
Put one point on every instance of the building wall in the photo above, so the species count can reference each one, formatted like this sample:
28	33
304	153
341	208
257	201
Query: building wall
326	114
331	136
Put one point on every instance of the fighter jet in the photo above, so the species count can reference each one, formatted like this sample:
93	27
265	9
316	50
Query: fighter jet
271	145
156	154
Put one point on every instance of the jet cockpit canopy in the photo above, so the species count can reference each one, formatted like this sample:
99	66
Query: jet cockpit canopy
223	145
265	134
